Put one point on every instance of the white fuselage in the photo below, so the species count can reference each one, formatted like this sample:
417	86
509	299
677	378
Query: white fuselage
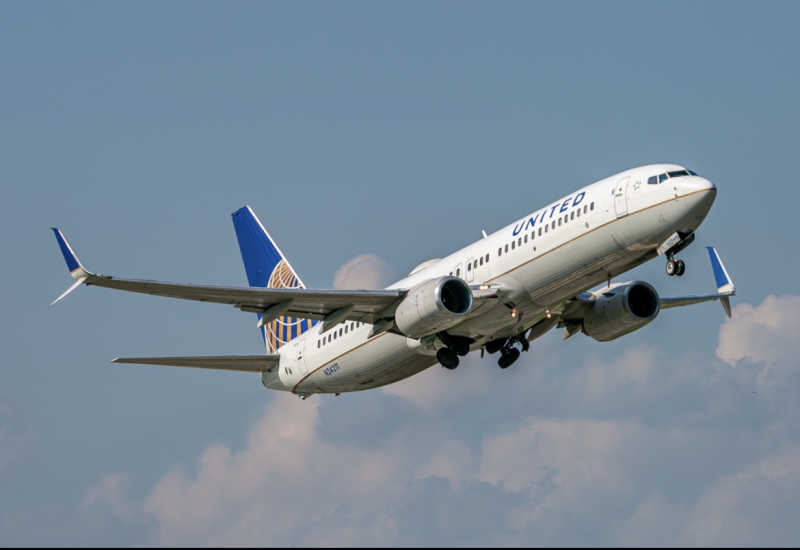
541	260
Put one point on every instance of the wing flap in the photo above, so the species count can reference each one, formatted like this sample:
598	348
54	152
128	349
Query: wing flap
244	363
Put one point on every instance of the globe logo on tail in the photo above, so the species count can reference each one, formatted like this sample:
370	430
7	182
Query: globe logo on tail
284	329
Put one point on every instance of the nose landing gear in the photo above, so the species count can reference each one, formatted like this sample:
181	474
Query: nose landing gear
675	267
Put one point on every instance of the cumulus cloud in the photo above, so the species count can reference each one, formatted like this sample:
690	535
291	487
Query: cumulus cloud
766	334
639	447
364	272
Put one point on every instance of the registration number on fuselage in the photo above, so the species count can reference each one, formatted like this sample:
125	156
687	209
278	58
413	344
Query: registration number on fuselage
330	370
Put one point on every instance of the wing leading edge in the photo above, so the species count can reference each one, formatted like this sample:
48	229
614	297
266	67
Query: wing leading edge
359	305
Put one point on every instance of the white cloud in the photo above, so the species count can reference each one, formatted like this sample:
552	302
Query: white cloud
113	490
603	450
768	334
364	272
757	506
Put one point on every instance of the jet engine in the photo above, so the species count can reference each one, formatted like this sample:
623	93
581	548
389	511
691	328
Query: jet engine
620	310
433	306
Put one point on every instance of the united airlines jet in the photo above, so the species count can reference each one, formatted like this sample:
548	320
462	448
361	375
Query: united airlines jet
494	296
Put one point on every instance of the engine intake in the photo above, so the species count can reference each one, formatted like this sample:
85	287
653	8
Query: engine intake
621	310
433	306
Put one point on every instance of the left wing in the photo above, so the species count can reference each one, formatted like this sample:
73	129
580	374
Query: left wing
725	288
332	306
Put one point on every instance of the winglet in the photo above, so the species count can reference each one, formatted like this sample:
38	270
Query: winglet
724	282
73	264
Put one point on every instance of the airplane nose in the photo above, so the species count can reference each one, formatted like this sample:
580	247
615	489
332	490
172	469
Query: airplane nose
699	194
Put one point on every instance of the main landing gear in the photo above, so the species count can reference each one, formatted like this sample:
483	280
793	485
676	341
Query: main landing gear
509	353
675	267
456	346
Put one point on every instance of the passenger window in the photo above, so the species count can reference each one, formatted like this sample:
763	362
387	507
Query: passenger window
500	251
533	235
451	273
334	335
319	344
519	242
661	178
526	237
358	324
559	222
540	231
487	258
352	326
329	338
506	248
566	218
345	329
579	212
513	245
458	272
572	216
584	209
652	180
481	261
546	228
591	207
554	224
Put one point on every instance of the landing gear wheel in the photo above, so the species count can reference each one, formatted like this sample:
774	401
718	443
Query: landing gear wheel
462	350
508	358
681	268
672	267
447	358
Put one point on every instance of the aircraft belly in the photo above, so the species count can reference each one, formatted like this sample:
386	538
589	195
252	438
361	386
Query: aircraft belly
383	360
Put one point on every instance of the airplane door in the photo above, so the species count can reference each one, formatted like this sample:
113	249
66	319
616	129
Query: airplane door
470	270
301	359
621	197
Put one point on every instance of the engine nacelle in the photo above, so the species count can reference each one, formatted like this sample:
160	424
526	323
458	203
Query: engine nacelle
620	310
433	306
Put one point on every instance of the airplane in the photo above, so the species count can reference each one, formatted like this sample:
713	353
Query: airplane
494	296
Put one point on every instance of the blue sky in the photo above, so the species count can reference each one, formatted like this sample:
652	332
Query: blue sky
399	130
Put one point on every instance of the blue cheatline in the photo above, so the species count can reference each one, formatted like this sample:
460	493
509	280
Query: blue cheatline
266	267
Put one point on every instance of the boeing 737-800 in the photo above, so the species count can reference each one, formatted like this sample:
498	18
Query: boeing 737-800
496	295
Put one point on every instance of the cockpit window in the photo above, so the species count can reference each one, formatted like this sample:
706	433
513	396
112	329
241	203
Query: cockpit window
678	173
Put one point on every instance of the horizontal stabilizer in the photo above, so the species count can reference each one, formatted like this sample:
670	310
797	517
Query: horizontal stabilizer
245	363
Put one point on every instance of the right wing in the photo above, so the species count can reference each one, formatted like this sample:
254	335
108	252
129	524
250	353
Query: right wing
332	306
245	363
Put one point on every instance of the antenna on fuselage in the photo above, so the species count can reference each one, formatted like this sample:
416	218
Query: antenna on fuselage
485	236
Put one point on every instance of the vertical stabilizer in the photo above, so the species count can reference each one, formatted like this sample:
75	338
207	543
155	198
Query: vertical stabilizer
266	267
